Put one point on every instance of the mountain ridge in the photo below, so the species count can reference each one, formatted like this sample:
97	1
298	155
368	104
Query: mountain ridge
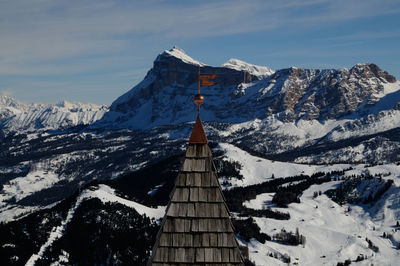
17	116
165	94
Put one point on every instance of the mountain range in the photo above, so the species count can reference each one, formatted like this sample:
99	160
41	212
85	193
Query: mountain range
326	130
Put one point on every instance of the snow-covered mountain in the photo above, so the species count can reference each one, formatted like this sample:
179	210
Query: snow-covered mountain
300	107
17	116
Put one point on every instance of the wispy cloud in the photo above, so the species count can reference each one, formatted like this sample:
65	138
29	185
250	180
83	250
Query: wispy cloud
50	30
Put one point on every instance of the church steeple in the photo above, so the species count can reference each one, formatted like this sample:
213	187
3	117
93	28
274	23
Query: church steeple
197	227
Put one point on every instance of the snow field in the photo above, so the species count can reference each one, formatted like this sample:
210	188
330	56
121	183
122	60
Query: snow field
107	194
333	233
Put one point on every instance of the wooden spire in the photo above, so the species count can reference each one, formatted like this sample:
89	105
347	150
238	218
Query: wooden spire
197	227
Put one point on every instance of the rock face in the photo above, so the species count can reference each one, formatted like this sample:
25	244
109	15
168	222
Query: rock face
244	92
324	94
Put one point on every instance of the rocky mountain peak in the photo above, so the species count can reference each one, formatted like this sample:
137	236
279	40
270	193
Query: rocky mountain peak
368	70
169	88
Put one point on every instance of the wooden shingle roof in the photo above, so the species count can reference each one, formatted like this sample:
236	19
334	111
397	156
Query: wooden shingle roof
196	229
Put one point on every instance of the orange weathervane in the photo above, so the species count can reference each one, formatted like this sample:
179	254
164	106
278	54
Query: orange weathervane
198	135
204	80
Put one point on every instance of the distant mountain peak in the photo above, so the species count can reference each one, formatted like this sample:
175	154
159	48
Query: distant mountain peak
260	71
7	101
181	55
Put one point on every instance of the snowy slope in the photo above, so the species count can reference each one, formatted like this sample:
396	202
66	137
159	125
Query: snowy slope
259	71
21	187
107	194
181	55
332	233
256	170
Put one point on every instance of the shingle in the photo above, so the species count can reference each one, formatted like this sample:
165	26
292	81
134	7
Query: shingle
203	194
195	225
189	179
213	180
234	255
182	209
195	165
208	255
197	179
213	238
181	179
189	255
197	238
203	225
194	194
165	240
199	165
177	225
161	254
216	255
171	254
191	151
172	210
225	255
197	151
191	212
205	242
180	195
200	253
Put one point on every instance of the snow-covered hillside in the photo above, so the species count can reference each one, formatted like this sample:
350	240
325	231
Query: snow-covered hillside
19	117
334	233
105	194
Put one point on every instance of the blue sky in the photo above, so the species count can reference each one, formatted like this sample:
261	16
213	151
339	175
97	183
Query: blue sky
95	50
